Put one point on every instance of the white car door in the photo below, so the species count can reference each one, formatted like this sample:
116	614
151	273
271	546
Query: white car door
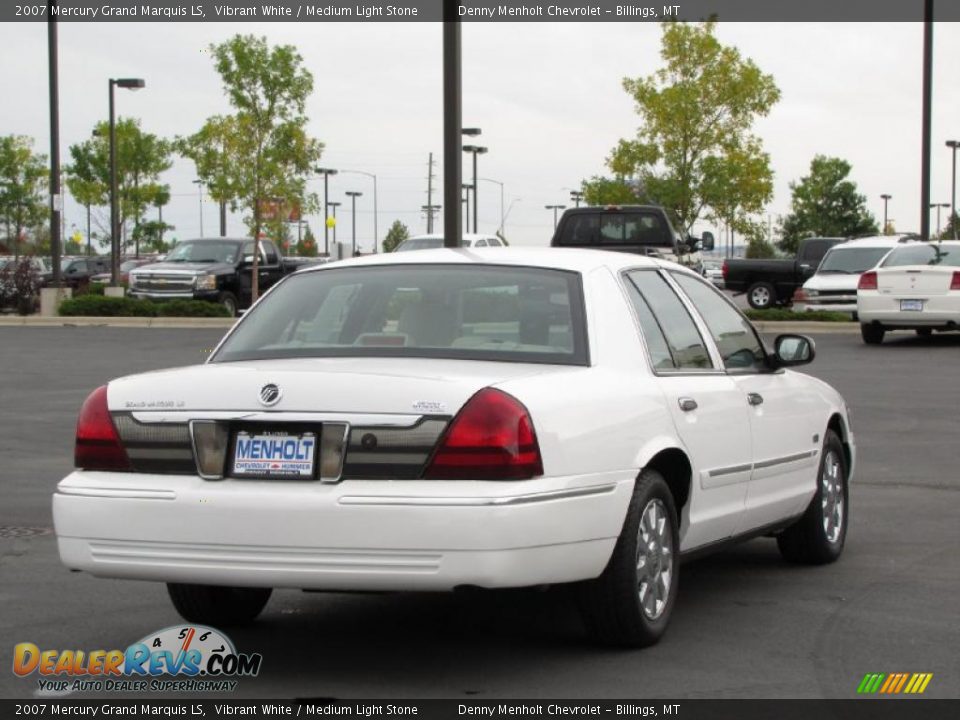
708	410
783	412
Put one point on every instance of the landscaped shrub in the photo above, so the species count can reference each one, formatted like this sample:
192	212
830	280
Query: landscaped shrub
779	315
191	308
91	305
20	286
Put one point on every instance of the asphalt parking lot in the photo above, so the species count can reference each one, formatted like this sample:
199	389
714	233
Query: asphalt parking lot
746	625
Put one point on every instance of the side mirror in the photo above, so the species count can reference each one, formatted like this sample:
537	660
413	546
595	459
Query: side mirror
247	260
791	350
706	241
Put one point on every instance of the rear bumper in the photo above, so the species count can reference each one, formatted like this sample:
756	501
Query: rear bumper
355	535
939	311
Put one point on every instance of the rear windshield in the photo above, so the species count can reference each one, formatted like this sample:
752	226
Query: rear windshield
420	244
438	311
851	261
924	255
606	229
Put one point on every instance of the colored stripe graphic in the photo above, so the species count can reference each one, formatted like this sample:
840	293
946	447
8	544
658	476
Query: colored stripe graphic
894	683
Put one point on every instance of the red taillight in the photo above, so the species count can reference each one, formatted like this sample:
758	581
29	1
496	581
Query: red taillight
725	269
955	281
98	445
491	438
868	281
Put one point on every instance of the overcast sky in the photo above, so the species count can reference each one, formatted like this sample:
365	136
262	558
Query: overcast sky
548	97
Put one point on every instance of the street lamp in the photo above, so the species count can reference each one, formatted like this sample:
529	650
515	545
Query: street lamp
376	234
576	196
467	187
555	208
353	195
938	206
886	199
501	201
953	145
474	150
334	205
199	184
472	132
126	84
326	172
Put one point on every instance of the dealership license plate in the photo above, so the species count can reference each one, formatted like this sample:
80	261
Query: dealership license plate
274	455
911	305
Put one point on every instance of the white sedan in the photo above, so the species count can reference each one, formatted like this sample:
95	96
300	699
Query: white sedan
916	287
454	418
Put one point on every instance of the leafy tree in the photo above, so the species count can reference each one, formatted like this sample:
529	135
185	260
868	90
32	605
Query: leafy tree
826	203
269	152
23	184
610	191
149	236
397	233
215	151
952	230
307	246
697	113
141	159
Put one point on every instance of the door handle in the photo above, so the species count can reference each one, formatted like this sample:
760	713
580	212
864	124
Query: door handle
687	404
755	399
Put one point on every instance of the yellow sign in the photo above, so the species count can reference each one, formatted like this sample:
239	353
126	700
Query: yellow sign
77	237
331	222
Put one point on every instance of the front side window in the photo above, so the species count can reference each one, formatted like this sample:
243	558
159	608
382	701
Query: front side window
472	312
686	347
739	346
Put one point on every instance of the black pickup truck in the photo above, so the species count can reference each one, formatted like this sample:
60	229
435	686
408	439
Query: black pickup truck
640	229
772	282
215	269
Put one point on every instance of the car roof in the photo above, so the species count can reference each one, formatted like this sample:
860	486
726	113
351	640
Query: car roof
877	241
611	208
466	236
571	259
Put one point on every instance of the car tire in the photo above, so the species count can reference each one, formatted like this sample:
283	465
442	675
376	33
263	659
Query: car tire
761	296
626	606
229	301
872	334
817	538
924	332
218	605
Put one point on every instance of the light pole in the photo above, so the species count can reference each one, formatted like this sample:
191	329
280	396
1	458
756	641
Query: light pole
953	145
938	206
199	184
127	84
555	208
56	191
334	206
474	150
886	198
467	187
353	195
326	172
501	201
376	233
576	196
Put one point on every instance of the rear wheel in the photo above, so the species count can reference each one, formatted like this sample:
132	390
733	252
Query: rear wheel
925	332
817	538
872	334
218	605
631	602
761	296
229	302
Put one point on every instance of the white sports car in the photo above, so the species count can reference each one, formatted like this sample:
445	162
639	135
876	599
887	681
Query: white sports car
453	418
917	287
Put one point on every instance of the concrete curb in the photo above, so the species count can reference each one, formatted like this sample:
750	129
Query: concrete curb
130	322
765	327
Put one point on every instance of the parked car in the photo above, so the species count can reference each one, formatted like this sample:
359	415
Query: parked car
713	271
833	286
916	287
462	418
771	282
125	267
432	242
77	272
638	229
215	269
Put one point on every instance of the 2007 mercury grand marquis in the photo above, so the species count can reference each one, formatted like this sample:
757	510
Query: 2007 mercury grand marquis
448	418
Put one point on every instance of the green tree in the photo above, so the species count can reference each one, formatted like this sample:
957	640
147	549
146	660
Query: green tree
307	245
610	191
826	203
697	112
270	153
23	185
397	233
952	230
215	150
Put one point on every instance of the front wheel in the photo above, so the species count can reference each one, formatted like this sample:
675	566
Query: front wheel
229	302
817	538
630	604
218	605
872	334
761	295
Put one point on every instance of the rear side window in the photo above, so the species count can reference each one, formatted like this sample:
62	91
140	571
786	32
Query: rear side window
580	230
686	346
470	312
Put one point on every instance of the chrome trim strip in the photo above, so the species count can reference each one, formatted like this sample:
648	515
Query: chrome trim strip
784	460
119	493
148	417
409	500
731	470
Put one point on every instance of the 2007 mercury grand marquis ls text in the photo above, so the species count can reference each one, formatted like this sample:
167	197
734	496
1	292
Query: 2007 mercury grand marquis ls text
449	418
